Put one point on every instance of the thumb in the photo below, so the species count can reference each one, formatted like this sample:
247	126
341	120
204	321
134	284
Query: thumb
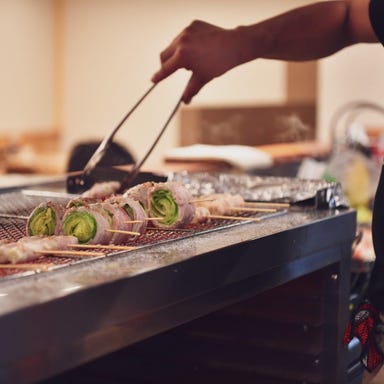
193	87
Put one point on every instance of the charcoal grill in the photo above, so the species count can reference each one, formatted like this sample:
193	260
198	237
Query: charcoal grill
80	310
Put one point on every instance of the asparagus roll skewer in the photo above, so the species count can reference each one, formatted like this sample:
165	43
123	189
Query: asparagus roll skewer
140	193
134	211
45	220
120	222
173	203
89	224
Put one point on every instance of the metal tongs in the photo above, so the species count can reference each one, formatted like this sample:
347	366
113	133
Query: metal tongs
78	183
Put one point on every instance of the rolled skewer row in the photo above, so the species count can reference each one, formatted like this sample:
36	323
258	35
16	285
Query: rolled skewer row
104	190
95	222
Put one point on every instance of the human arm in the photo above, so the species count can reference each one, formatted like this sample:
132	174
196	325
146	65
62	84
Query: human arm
306	33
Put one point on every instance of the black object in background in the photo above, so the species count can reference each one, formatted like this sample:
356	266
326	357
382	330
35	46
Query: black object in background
117	154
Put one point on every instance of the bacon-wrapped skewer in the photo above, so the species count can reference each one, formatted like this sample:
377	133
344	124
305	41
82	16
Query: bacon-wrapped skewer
137	216
172	203
5	245
121	228
102	190
220	203
81	201
140	193
116	219
90	224
29	247
202	215
169	204
45	219
106	222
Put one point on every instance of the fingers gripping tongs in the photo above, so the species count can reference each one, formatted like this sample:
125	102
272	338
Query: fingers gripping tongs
80	182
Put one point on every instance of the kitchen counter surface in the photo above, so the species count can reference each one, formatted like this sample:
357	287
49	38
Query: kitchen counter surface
54	321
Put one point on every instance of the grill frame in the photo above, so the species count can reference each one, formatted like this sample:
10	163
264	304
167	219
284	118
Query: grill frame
55	321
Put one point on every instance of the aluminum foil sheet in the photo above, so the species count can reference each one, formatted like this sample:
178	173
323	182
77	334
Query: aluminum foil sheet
319	193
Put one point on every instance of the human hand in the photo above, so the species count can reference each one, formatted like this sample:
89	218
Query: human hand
205	49
369	376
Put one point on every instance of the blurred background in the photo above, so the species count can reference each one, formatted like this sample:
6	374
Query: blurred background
70	69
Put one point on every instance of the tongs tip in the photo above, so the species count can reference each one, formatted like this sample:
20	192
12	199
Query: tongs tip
84	180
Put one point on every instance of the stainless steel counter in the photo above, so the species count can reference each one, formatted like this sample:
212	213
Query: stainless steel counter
54	321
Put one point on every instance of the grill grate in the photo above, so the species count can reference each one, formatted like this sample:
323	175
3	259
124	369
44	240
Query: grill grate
22	203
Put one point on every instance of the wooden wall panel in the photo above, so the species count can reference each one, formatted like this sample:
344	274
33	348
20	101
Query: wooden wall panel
250	125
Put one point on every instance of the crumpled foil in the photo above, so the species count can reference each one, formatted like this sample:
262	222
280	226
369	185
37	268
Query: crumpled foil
319	193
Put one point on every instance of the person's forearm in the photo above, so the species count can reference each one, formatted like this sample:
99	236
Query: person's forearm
307	33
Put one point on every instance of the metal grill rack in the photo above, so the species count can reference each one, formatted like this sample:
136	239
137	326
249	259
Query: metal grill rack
21	203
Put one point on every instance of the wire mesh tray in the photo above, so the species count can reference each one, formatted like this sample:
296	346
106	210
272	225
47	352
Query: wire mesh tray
21	203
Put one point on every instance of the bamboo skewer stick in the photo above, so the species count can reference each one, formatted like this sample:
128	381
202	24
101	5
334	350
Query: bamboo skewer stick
170	229
133	221
202	200
234	218
255	209
267	204
124	232
145	219
102	246
34	267
13	216
60	253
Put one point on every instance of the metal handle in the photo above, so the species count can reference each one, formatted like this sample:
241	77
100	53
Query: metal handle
78	183
104	145
136	169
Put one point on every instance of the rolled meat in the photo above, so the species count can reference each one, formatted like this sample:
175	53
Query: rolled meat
120	222
220	203
5	247
201	215
140	193
81	201
133	209
102	190
172	202
89	224
45	219
27	248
